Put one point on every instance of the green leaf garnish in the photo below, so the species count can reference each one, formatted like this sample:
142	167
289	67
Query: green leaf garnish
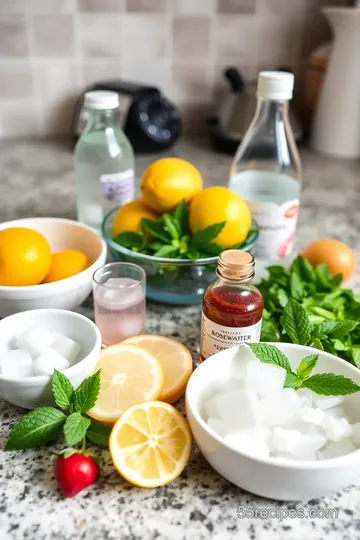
296	323
129	239
306	365
86	395
62	390
36	428
329	384
205	236
98	434
75	428
270	355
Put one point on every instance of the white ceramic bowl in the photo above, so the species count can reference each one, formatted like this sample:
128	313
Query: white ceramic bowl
68	293
276	479
31	392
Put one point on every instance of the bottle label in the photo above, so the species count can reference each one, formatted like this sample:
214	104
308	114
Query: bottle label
277	225
216	337
118	187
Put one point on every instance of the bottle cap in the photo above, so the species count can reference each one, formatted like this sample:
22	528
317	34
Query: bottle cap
236	265
275	85
101	100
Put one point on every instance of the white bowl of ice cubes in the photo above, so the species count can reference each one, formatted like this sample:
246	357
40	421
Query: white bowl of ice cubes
269	440
66	293
33	343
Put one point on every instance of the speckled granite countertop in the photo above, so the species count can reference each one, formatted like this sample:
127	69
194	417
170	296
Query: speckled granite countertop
36	179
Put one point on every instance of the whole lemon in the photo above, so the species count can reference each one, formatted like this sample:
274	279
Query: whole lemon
168	181
216	204
337	255
25	257
129	216
66	263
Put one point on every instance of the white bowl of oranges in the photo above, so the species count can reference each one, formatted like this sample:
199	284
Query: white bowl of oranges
47	263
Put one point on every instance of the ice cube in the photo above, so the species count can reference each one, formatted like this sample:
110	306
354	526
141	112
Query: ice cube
264	378
211	407
355	435
16	364
240	363
336	449
325	402
308	444
66	347
336	429
306	396
284	440
48	361
35	340
253	441
277	409
218	426
286	455
311	416
336	412
239	409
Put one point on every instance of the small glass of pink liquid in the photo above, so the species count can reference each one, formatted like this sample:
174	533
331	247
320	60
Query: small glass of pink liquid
119	301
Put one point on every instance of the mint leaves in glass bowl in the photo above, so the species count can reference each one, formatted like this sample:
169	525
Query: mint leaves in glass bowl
179	267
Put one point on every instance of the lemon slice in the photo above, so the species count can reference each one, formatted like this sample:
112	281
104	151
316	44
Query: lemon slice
175	360
129	375
150	444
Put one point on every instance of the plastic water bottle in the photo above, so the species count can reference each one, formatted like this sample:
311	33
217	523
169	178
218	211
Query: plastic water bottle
266	170
104	161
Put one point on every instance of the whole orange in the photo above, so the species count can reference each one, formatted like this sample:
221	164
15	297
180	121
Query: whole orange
25	257
129	217
65	264
339	257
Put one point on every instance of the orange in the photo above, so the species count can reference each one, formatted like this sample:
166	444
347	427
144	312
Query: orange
25	257
217	204
175	360
337	255
65	264
168	181
129	375
129	216
150	444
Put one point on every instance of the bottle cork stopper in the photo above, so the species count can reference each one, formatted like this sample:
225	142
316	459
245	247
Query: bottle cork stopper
236	265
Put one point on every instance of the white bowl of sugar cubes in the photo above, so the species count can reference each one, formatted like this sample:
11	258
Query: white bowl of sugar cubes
276	442
34	343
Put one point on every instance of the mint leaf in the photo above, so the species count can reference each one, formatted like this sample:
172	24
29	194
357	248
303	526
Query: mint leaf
98	434
292	380
62	390
171	226
75	428
296	323
129	239
211	250
204	236
269	331
36	428
156	229
282	297
86	395
335	329
278	274
323	276
296	288
167	251
355	353
306	365
303	269
317	344
270	355
329	384
324	313
181	216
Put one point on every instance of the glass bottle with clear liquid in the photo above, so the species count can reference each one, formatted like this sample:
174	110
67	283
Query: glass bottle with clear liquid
104	161
267	171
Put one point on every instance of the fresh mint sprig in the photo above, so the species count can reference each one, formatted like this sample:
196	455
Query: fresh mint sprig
42	425
327	384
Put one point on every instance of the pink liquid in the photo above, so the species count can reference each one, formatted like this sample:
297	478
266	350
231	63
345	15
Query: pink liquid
119	310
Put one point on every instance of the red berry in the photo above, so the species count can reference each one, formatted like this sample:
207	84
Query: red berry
75	473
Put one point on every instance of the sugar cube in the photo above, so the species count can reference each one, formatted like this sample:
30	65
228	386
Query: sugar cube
211	407
306	396
218	426
48	361
264	378
308	444
279	408
16	364
336	412
325	402
66	347
355	435
336	449
240	363
35	340
239	409
336	429
284	440
311	416
253	441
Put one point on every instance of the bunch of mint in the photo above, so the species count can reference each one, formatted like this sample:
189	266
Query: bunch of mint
307	306
170	236
45	424
327	384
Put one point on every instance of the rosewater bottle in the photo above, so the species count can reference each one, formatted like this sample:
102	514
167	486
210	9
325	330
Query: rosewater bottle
104	161
266	170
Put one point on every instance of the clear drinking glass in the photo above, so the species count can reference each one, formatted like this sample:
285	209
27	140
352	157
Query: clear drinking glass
119	301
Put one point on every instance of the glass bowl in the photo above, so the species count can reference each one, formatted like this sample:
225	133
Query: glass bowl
170	281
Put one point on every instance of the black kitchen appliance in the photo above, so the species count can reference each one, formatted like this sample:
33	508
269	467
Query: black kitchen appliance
151	122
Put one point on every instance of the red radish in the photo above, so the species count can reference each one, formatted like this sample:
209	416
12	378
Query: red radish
75	473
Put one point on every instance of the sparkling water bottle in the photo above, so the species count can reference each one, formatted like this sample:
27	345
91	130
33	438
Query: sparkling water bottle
266	170
104	161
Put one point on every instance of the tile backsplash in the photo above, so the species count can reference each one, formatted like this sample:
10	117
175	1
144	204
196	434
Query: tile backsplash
51	49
